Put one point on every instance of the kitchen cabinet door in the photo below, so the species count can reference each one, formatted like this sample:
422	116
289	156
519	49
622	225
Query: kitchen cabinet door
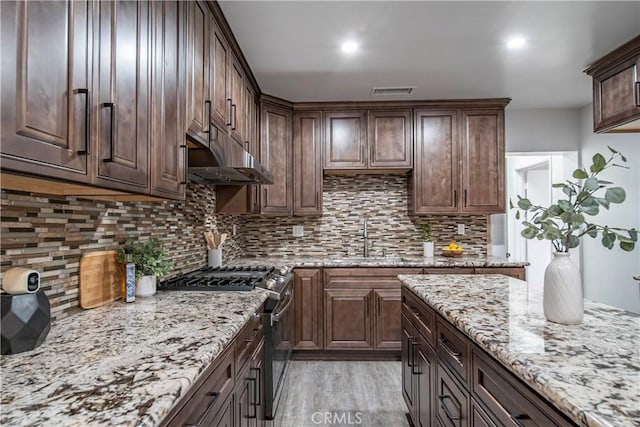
388	306
219	86
123	54
45	88
307	167
168	150
482	156
245	409
347	323
408	379
345	140
236	90
616	90
307	310
276	155
199	105
424	372
390	139
434	181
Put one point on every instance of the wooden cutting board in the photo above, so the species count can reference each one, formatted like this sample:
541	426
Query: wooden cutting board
100	278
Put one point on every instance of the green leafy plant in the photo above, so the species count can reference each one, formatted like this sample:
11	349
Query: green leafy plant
427	233
150	258
566	221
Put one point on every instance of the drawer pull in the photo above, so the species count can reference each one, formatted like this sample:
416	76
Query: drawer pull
517	417
442	398
456	355
414	363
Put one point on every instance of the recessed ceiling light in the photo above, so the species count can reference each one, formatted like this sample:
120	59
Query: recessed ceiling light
350	47
516	42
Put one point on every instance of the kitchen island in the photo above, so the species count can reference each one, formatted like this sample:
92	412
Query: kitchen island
122	364
588	372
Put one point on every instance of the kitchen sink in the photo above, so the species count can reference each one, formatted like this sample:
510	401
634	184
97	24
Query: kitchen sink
368	259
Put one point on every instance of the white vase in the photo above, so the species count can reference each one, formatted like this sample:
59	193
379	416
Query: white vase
146	286
562	298
427	248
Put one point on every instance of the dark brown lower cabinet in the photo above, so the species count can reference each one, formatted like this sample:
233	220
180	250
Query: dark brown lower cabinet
307	309
250	391
387	318
347	319
454	383
226	416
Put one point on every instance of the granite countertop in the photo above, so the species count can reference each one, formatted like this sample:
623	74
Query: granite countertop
122	364
301	262
591	372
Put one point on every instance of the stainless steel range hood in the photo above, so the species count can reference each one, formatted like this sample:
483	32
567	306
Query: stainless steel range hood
224	161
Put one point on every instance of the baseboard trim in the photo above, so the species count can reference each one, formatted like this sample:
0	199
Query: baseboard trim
350	355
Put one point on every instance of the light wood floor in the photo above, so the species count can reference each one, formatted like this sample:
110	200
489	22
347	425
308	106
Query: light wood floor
321	393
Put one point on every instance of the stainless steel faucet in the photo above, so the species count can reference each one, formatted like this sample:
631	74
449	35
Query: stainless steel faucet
365	236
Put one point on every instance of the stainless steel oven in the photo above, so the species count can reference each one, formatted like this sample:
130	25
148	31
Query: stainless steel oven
278	347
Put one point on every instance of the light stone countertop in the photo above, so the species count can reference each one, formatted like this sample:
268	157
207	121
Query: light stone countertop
336	262
591	372
122	364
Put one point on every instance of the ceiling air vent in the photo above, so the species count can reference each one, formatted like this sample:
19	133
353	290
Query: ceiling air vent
398	90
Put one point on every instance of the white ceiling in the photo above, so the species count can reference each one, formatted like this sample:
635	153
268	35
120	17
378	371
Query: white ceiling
446	49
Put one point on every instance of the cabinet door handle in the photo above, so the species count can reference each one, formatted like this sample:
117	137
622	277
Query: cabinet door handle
229	110
87	120
257	395
111	107
637	91
465	197
410	350
255	199
186	160
207	115
449	415
379	313
233	117
456	355
455	198
255	408
517	417
414	364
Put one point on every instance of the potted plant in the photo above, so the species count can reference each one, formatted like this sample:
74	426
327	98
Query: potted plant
151	260
427	240
564	223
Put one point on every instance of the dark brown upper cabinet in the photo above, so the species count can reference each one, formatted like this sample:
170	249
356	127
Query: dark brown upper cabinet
433	185
236	103
199	108
459	162
616	90
168	150
220	87
46	88
363	140
276	154
122	95
389	139
307	163
345	140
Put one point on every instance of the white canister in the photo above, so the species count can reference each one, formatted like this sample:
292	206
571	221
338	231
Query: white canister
146	286
215	258
428	249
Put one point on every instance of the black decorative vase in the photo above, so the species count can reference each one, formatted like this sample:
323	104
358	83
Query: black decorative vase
25	323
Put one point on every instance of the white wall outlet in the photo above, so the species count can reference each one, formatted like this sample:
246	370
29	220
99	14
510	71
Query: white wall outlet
298	231
234	230
461	229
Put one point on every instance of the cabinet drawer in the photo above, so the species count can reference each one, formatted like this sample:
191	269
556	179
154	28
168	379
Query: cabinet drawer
248	338
454	349
479	418
420	314
452	400
210	395
511	403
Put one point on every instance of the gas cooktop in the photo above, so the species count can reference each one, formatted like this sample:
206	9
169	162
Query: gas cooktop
221	279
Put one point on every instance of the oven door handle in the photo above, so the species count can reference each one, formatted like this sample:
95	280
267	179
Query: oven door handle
275	317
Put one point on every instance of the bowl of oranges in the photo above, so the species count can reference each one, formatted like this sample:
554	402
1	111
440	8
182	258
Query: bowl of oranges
453	250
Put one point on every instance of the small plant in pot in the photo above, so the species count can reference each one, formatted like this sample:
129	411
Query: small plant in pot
427	240
564	223
151	260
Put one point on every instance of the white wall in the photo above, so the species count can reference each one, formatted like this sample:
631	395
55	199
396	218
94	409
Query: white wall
542	130
607	274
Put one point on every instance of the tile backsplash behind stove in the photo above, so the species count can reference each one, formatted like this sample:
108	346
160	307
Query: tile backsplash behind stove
347	200
50	234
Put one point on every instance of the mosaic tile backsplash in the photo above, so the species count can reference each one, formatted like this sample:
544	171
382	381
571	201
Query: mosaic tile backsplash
347	200
50	234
